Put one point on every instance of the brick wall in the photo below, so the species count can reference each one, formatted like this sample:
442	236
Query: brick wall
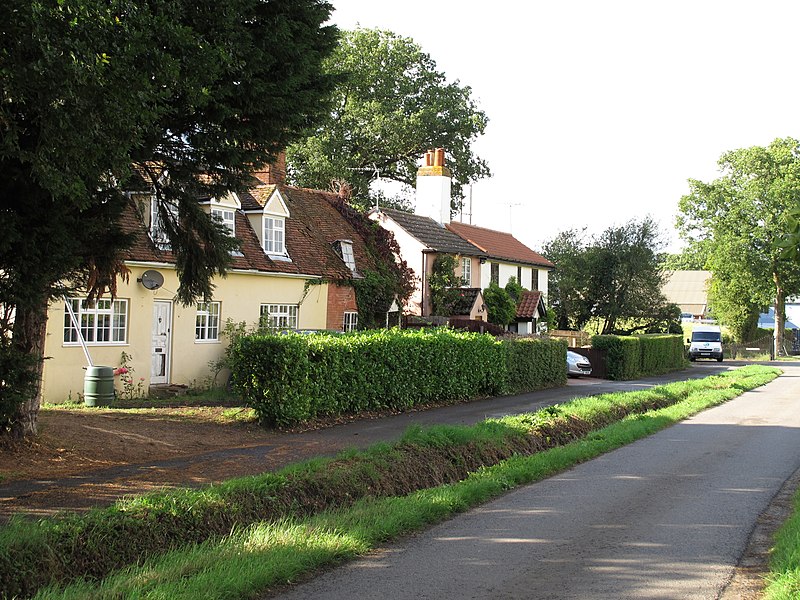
341	299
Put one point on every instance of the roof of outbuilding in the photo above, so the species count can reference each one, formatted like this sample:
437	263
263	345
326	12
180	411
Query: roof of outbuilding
431	233
499	244
465	300
528	305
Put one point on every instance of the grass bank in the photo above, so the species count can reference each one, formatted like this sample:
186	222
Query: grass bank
236	540
783	580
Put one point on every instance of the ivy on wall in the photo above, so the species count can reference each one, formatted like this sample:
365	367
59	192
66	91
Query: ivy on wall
388	278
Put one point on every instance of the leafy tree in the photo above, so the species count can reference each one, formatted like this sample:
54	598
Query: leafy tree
500	307
692	258
742	217
391	105
616	277
567	287
189	96
626	277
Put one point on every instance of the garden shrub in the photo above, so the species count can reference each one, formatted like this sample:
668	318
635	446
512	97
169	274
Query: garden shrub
535	364
629	357
623	358
293	378
661	353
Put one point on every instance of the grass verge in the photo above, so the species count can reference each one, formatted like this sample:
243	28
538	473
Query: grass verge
783	580
276	547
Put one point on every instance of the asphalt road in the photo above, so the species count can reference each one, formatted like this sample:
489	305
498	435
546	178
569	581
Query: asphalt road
666	517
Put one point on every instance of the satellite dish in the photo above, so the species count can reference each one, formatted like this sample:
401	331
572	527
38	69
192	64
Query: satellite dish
152	280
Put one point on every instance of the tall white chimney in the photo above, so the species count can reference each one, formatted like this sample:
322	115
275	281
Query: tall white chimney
433	188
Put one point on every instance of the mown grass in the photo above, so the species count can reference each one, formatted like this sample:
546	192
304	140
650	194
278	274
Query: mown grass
177	411
264	554
783	580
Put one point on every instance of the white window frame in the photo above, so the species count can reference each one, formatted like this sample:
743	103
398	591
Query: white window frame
274	236
157	232
104	322
226	216
350	321
466	271
206	323
345	250
279	316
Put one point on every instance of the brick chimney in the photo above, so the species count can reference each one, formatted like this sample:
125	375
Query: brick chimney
273	173
433	187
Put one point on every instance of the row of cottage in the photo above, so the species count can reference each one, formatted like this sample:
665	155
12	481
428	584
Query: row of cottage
294	245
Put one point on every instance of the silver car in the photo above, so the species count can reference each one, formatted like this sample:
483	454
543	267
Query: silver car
577	364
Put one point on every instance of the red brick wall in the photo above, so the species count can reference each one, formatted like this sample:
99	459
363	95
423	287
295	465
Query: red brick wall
341	299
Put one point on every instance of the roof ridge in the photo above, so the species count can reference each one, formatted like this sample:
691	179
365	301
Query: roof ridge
484	228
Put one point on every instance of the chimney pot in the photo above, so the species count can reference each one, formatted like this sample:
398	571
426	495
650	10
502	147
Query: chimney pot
438	160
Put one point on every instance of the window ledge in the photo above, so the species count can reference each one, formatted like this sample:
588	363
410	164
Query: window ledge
93	344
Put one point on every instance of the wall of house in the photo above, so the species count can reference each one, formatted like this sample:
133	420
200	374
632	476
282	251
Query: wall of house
341	299
509	270
411	250
240	296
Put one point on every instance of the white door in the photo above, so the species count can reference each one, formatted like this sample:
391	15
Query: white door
162	324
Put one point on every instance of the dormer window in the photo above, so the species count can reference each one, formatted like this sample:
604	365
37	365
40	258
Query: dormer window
158	232
274	235
227	217
344	248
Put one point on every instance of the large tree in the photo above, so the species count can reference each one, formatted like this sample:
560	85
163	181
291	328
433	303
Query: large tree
567	286
390	106
742	216
615	277
188	95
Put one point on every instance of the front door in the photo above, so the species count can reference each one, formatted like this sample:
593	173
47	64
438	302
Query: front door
162	325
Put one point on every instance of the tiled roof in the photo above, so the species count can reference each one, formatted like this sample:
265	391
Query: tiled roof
430	233
527	307
465	300
499	244
313	226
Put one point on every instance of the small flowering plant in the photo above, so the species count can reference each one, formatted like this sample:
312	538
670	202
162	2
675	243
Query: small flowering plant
131	387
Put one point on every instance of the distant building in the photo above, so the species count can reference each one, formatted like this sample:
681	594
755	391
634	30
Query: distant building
483	256
689	290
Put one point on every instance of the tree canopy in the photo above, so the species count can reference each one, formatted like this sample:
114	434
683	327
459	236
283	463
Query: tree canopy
740	219
186	96
391	105
615	277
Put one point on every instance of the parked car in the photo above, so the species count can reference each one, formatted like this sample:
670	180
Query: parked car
577	364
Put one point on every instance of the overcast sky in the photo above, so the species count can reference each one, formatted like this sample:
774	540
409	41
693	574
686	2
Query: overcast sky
599	112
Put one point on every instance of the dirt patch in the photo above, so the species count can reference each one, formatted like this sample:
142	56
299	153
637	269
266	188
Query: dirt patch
77	441
85	458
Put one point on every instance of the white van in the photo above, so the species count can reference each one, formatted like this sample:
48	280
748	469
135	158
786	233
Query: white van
706	342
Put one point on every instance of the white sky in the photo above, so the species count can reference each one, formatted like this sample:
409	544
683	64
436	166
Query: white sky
599	112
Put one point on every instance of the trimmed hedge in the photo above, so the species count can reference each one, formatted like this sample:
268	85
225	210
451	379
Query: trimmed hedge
535	364
292	378
629	357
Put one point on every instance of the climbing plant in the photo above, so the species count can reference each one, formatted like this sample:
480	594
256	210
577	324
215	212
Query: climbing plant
388	278
443	285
